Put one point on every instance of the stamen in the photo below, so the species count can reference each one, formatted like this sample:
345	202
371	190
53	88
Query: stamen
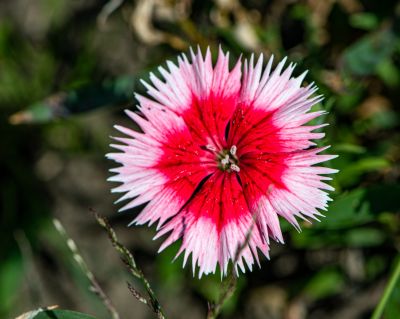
211	148
228	160
225	161
233	150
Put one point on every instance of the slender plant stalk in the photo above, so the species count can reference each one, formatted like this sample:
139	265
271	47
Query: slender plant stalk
128	259
33	283
95	286
388	291
229	285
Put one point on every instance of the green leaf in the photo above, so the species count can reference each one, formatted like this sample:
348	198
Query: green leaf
347	210
325	283
11	273
348	148
364	56
358	237
389	300
110	92
389	73
385	119
360	206
351	173
347	218
392	310
54	314
168	269
364	21
364	237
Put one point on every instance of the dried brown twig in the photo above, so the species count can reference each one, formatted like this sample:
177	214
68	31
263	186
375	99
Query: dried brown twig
107	10
128	259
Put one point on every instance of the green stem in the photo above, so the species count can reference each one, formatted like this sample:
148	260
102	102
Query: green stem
130	262
228	289
388	291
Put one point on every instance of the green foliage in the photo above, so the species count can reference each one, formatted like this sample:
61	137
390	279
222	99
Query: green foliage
169	269
61	314
325	283
352	172
11	272
353	220
364	20
87	98
25	70
392	310
388	304
363	57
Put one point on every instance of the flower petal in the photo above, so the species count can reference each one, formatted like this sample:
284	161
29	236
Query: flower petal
162	165
214	225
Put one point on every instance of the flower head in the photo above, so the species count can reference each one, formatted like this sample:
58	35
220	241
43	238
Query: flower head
221	156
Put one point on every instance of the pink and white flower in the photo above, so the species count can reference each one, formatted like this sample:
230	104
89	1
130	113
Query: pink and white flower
221	152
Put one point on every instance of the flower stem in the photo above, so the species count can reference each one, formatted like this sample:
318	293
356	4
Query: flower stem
388	291
228	289
129	261
230	282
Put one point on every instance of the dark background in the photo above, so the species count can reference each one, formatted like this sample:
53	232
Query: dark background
66	73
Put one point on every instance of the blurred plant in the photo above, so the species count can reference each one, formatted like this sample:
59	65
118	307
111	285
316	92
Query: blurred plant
393	281
95	286
128	259
87	98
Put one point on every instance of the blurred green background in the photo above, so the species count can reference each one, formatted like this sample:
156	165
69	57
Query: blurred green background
68	68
